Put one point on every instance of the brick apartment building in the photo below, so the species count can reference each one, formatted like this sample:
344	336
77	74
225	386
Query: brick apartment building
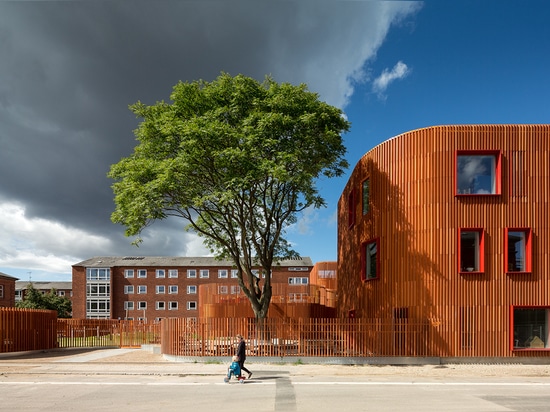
61	288
7	290
149	288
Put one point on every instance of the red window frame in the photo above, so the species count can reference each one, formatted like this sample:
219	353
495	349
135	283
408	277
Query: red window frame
364	259
528	250
481	250
498	175
513	346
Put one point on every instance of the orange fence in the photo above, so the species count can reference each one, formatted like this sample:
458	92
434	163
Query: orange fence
74	333
297	337
27	329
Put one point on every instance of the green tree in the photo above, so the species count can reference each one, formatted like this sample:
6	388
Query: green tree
236	158
34	299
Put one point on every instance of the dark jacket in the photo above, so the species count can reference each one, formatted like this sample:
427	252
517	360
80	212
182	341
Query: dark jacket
241	351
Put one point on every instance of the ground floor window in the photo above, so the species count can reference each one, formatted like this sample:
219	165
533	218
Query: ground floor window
530	328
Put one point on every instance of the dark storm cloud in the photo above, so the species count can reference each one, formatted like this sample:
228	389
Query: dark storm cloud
69	70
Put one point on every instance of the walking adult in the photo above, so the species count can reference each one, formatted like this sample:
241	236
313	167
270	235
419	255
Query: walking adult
241	353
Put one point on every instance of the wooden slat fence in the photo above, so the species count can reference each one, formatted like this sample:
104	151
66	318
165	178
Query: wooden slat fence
298	337
27	329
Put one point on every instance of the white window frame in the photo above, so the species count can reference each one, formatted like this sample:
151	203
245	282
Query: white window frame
223	290
234	273
222	273
173	305
142	305
160	273
173	289
191	289
172	273
191	273
160	305
128	289
204	273
192	305
141	288
160	289
142	273
128	305
128	273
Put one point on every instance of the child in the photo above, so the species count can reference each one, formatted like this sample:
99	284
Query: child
234	369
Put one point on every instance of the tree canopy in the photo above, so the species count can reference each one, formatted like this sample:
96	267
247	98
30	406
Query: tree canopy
237	159
34	299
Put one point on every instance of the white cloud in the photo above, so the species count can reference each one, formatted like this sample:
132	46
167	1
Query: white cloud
381	83
37	243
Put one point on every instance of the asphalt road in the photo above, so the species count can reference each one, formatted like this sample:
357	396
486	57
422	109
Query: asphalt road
116	380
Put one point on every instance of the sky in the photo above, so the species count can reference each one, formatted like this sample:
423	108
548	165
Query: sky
70	69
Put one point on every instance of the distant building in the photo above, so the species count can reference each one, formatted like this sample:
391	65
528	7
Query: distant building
7	290
61	288
149	288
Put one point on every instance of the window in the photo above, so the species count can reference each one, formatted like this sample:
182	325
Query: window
222	290
470	253
235	290
517	250
204	273
98	289
366	198
327	274
142	289
173	273
98	274
173	289
142	273
128	305
160	289
234	273
160	305
191	289
128	273
351	208
60	293
191	305
477	172
1	291
530	327
298	281
142	305
160	273
128	289
172	305
222	273
370	260
191	273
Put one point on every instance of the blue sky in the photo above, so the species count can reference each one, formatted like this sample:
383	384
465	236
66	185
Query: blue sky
70	69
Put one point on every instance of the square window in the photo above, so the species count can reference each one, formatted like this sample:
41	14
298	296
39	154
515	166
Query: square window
142	289
191	305
173	273
235	290
530	328
2	291
142	305
160	273
204	273
222	290
129	273
142	273
234	273
222	273
128	305
160	305
191	273
191	289
173	289
470	253
477	172
370	266
128	289
517	250
172	305
160	289
365	197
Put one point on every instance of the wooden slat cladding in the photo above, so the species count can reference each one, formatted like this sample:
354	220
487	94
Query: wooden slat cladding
417	219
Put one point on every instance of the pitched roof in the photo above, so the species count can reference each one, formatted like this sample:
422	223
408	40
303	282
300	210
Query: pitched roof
6	276
22	285
174	261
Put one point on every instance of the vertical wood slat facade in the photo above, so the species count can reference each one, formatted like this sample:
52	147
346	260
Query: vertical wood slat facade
416	216
27	329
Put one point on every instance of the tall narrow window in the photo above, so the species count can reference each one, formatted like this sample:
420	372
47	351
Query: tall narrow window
370	260
517	250
366	196
477	172
470	252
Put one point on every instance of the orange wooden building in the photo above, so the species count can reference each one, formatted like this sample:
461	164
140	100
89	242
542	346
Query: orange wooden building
450	225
